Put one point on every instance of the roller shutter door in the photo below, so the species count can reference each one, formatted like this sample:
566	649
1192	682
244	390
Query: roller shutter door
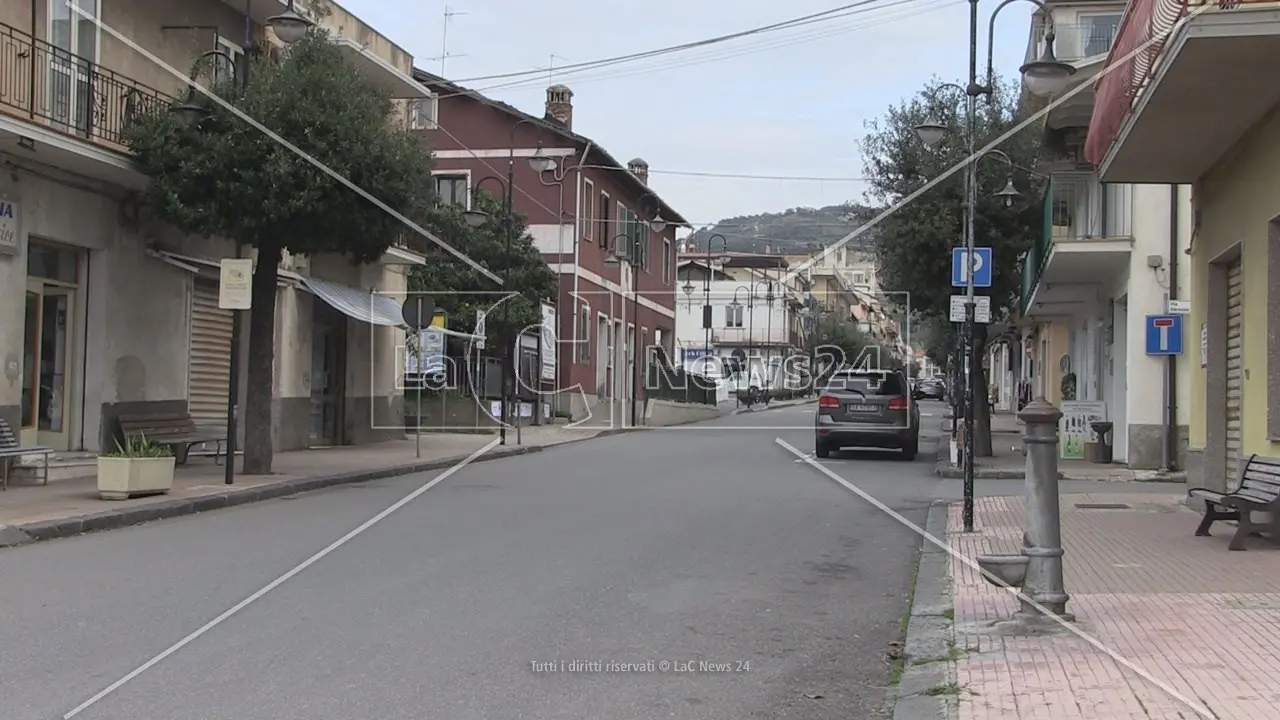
1235	370
209	371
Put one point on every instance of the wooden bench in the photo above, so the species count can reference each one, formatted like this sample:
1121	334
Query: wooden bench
176	430
1258	491
11	452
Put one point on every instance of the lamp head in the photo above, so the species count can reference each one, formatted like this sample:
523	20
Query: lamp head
688	287
931	133
289	26
541	162
657	224
189	112
1047	76
1009	193
475	218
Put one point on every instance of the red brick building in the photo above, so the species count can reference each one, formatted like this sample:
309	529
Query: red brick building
576	214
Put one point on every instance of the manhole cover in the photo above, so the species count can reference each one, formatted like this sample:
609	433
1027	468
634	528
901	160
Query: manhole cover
1102	506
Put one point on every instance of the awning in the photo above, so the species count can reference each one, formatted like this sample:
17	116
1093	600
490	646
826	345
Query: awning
359	304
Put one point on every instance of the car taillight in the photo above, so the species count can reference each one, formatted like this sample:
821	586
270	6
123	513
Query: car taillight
898	403
828	401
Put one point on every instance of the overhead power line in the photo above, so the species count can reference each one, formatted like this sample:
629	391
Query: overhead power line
772	27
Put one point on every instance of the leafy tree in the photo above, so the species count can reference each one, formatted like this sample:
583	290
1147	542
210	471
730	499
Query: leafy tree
225	178
936	335
913	245
460	290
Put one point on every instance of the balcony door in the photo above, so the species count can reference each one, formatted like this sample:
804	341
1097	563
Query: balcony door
71	62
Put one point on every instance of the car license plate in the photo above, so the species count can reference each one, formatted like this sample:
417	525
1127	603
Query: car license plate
864	408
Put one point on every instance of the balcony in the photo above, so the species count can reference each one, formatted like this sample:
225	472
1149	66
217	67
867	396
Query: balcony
1086	242
54	99
777	336
1169	112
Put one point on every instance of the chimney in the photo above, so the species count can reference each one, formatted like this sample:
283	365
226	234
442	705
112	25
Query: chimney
640	169
560	106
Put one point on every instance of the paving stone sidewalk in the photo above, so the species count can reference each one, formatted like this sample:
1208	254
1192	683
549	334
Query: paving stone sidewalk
1202	619
1008	462
71	507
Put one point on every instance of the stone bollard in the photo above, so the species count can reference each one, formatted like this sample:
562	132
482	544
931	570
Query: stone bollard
1044	583
1036	571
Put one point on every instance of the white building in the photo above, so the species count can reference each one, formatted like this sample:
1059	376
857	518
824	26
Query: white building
1110	256
755	321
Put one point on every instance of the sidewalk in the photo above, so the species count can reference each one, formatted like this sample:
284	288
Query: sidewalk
1199	618
1008	462
70	507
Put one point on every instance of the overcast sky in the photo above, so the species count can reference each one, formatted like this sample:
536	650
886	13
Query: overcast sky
787	103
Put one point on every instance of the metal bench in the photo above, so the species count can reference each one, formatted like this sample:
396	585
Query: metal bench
11	452
176	430
1258	491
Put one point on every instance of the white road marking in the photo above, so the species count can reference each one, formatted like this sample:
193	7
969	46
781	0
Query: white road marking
280	580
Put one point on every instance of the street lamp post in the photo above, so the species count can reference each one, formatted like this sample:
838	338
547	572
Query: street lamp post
631	258
706	289
1045	76
289	27
476	218
751	322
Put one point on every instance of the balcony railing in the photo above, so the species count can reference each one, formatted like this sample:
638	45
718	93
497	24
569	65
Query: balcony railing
1080	41
1076	209
747	336
69	93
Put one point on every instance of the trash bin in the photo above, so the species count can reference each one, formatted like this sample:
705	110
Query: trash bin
1099	452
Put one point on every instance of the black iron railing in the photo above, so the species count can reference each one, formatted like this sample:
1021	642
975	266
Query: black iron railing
69	93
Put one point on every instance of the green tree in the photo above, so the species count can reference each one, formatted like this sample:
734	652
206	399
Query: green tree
936	335
460	290
225	178
913	244
832	332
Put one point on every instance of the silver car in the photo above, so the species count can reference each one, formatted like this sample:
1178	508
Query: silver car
868	409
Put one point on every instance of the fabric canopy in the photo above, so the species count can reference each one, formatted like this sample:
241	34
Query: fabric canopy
359	304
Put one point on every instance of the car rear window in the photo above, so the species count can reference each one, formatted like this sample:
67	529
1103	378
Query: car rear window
868	383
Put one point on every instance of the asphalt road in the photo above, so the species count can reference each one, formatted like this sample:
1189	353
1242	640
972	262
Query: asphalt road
703	543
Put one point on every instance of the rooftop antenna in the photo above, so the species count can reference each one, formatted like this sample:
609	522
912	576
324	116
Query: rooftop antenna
444	55
550	68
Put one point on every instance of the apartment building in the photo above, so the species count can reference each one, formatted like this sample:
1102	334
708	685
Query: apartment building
755	312
583	207
104	309
1110	255
1200	82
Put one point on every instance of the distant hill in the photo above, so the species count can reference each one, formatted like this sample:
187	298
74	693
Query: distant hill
791	231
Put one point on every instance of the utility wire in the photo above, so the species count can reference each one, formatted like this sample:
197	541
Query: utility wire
772	27
870	21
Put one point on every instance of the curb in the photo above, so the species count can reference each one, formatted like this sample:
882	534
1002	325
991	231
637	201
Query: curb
944	470
929	651
26	533
774	406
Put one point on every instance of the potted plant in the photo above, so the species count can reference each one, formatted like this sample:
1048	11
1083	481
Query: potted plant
136	468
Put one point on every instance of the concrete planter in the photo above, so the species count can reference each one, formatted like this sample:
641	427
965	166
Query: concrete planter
121	478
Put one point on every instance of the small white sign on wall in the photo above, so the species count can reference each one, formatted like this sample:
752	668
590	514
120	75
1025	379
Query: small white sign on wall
10	237
1204	345
1179	307
235	290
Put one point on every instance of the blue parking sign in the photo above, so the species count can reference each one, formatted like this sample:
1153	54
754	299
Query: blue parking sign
1164	334
981	264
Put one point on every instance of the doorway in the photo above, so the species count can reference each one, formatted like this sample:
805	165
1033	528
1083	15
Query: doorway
328	373
47	349
72	64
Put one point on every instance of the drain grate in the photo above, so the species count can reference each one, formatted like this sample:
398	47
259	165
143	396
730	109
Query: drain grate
1102	506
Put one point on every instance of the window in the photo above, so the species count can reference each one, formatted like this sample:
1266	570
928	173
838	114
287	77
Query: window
666	262
224	70
606	230
424	113
588	208
860	278
733	316
645	238
452	189
620	228
584	334
1098	32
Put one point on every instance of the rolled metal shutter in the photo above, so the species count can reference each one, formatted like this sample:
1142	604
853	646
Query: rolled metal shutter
1235	371
209	370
